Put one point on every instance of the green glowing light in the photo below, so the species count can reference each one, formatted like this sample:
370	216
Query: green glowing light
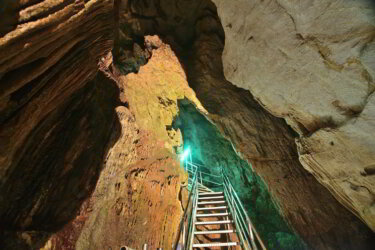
185	154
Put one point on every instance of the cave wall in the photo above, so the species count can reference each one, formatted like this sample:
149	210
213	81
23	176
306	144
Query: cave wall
268	144
312	63
56	112
75	132
139	194
66	130
260	138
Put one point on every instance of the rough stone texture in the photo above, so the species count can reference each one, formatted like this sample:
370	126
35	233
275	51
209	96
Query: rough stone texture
312	63
153	92
56	113
137	197
58	125
60	138
349	150
269	145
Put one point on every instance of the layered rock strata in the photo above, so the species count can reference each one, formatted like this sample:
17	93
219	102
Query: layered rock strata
56	113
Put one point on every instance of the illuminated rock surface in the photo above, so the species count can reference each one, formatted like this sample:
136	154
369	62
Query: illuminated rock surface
313	64
87	157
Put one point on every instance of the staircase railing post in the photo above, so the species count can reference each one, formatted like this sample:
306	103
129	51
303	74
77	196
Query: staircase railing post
233	207
254	246
183	234
226	210
194	209
246	232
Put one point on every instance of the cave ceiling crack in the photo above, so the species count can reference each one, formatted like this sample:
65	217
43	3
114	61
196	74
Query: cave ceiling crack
287	13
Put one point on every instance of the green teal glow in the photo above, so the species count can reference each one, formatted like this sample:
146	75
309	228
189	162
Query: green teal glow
185	154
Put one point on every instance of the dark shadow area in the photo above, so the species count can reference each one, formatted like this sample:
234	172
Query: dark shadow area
57	116
20	97
9	15
59	165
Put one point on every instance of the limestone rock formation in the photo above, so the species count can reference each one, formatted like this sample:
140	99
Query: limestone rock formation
144	207
137	196
312	63
59	120
88	148
269	145
55	112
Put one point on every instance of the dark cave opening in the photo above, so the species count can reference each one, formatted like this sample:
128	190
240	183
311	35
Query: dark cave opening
210	149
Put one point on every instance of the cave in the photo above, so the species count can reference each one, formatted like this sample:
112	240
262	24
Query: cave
99	97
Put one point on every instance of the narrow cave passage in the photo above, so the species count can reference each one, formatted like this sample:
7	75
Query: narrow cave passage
87	149
210	149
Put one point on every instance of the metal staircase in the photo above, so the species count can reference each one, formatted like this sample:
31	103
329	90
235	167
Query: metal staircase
213	205
214	217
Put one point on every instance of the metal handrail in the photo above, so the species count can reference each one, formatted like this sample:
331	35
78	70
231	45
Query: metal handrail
245	229
237	218
192	224
203	172
185	218
234	195
219	184
240	221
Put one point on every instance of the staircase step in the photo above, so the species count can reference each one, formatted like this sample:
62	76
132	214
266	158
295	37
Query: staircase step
211	202
211	193
211	208
213	222
217	244
216	232
211	198
212	215
203	191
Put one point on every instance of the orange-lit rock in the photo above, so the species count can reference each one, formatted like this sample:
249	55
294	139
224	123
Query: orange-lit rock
88	156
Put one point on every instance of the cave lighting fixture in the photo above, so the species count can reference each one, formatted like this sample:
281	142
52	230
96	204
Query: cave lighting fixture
186	153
